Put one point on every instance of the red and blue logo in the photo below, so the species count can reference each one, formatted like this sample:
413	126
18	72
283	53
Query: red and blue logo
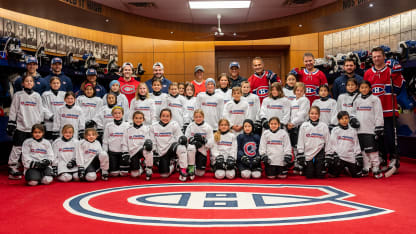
203	205
250	149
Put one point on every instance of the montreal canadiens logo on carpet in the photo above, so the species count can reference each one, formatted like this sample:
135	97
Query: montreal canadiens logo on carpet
219	205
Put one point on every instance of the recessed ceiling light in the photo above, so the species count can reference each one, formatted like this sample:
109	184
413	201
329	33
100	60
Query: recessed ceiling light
218	4
107	20
171	32
371	4
300	25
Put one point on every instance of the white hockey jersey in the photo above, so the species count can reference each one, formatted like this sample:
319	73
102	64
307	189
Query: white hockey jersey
87	151
134	139
64	152
275	145
235	112
312	139
164	136
52	103
279	107
299	111
369	113
253	106
147	107
104	117
226	146
33	150
226	96
289	94
27	110
177	106
71	116
212	105
121	101
345	143
159	101
190	107
89	106
328	111
113	136
345	101
204	130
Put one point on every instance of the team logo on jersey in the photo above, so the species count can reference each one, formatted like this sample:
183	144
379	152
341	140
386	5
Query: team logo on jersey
315	135
310	90
250	149
262	91
378	89
346	138
220	205
128	89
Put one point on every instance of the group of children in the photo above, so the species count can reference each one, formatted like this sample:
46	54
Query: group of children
72	138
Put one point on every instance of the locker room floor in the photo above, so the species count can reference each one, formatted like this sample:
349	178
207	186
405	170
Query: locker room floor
41	209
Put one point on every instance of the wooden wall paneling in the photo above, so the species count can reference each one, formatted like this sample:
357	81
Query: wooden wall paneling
273	41
233	43
173	62
137	44
304	42
145	58
193	46
206	59
296	57
167	46
176	77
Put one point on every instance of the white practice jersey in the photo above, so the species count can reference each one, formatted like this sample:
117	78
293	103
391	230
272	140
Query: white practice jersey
52	103
87	151
71	116
312	139
89	106
345	101
226	96
275	145
147	107
299	111
121	101
253	106
113	136
64	152
204	130
345	143
212	105
289	94
159	101
328	111
190	107
177	106
369	113
33	150
134	139
236	113
104	116
279	107
226	146
27	110
164	136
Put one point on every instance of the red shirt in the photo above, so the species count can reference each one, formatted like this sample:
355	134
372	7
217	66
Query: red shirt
381	87
128	88
259	84
199	87
312	81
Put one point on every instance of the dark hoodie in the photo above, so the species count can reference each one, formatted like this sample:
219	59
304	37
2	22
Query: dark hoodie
248	144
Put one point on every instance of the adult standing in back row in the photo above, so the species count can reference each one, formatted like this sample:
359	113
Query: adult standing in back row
128	85
261	79
235	78
199	82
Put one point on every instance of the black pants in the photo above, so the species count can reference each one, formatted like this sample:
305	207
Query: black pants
135	160
316	166
354	170
94	165
386	143
272	170
35	174
19	137
164	161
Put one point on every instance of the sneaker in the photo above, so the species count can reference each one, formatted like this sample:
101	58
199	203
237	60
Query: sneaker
182	174
14	173
191	172
364	173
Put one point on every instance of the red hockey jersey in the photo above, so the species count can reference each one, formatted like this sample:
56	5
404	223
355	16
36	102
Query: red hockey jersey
312	81
128	88
260	83
381	87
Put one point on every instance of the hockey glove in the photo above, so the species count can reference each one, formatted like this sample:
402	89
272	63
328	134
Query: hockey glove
100	132
287	159
379	131
185	126
328	161
359	162
148	145
230	164
81	134
219	163
91	124
81	173
35	164
256	163
265	123
245	160
257	127
11	128
354	122
337	160
301	159
54	171
45	163
71	164
199	140
182	140
266	160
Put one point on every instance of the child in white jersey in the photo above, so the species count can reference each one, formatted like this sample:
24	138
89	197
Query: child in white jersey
224	151
64	149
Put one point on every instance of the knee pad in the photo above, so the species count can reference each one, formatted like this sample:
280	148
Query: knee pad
135	173
75	176
124	173
47	180
181	150
271	177
114	173
91	176
220	174
32	182
245	174
230	174
256	174
65	177
165	175
191	149
33	175
199	172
